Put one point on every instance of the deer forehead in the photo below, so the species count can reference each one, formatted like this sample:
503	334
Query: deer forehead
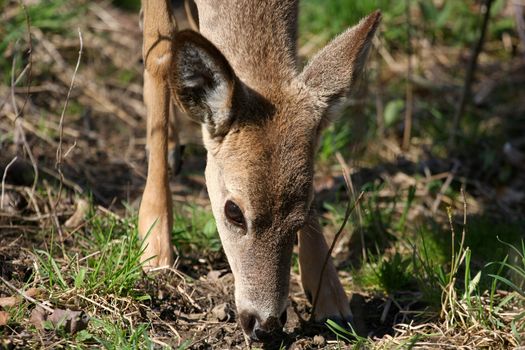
270	167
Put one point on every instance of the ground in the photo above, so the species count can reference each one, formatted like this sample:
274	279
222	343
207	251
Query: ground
432	256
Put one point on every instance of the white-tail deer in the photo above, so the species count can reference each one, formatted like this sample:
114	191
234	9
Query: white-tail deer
261	119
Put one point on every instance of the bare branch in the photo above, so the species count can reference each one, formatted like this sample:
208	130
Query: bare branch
471	70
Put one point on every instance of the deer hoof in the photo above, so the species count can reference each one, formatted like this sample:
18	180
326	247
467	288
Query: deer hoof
333	304
150	261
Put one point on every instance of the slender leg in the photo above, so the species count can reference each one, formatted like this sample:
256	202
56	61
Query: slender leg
333	302
155	214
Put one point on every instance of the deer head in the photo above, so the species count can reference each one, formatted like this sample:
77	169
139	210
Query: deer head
261	137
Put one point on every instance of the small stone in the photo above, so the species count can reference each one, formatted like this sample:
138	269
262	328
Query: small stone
214	275
319	340
160	294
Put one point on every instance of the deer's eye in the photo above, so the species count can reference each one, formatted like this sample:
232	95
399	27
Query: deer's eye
234	214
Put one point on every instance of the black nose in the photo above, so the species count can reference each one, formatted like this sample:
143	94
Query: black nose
261	330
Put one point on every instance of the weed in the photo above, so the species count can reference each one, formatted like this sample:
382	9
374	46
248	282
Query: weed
348	335
113	268
115	336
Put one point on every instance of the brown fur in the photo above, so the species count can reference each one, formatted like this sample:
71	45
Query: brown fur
261	123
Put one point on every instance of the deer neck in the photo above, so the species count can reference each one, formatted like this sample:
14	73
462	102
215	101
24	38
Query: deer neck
258	38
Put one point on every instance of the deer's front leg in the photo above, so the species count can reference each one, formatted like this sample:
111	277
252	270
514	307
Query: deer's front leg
155	215
333	302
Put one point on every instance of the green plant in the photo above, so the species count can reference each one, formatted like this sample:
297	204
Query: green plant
349	335
195	229
48	16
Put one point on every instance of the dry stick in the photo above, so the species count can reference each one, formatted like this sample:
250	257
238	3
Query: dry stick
25	296
349	210
445	187
17	80
3	180
409	100
18	120
465	94
58	164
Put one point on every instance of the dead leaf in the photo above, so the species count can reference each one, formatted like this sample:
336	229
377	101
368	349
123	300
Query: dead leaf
32	292
71	321
4	317
38	317
221	312
15	300
78	216
9	301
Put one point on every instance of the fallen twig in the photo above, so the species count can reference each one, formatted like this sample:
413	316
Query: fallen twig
25	296
445	187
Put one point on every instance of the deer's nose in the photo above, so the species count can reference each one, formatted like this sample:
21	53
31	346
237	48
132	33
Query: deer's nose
259	330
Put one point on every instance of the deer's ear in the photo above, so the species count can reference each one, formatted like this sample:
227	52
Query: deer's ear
202	81
333	70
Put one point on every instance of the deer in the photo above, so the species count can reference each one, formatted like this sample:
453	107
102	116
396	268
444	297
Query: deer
261	117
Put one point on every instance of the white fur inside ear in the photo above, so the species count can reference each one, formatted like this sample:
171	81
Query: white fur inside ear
218	100
204	75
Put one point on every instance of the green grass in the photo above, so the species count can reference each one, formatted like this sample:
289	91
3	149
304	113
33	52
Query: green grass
456	287
195	229
101	266
110	263
104	268
456	277
115	336
437	22
51	17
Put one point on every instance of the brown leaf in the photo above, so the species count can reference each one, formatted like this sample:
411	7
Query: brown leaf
32	292
4	317
9	301
38	317
221	312
71	321
15	300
